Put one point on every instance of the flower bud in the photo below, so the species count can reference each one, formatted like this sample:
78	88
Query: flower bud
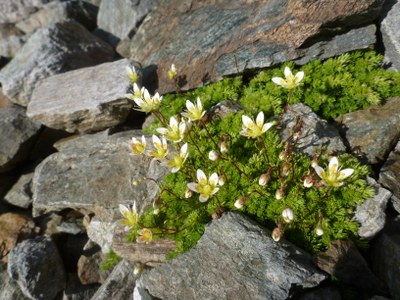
223	147
138	269
314	163
319	231
282	155
213	155
188	193
279	194
221	180
285	170
296	136
308	181
156	205
287	215
172	72
240	202
264	178
276	234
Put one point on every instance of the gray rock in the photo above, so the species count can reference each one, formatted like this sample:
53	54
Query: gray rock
210	39
92	174
371	213
389	176
102	233
85	100
38	268
21	193
75	290
11	11
119	284
17	136
386	258
57	11
11	45
54	49
344	261
372	132
390	33
89	265
234	259
9	289
316	133
118	18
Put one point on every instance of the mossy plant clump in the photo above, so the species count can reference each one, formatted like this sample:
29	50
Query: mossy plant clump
239	163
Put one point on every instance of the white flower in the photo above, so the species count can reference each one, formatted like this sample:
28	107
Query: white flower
206	187
287	215
333	175
147	103
213	155
177	160
137	93
319	231
161	147
290	81
175	132
130	216
137	146
253	129
194	111
239	203
132	74
145	236
172	72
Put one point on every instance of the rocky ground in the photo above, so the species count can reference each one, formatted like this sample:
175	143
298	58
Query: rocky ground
65	128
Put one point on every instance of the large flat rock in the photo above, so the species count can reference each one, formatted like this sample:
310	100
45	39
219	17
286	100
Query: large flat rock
85	100
234	259
391	33
92	174
51	50
209	39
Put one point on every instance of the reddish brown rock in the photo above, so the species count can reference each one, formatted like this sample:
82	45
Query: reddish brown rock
14	228
209	39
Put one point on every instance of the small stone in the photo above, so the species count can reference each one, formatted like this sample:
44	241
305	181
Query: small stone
89	264
371	213
21	193
11	11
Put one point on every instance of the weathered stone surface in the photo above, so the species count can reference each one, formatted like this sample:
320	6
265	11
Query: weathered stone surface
3	100
386	258
234	259
57	11
102	233
316	134
372	133
210	39
12	11
390	174
14	228
371	213
74	290
21	193
54	49
9	289
344	261
85	100
390	32
151	254
37	267
11	40
92	174
117	18
89	264
119	284
17	136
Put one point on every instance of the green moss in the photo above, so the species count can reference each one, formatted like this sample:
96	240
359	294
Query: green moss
111	261
331	88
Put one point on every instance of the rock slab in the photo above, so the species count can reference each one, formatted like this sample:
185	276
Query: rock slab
234	259
210	39
390	32
85	100
51	50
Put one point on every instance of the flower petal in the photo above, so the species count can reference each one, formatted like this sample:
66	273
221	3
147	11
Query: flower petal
279	81
173	122
123	210
247	121
201	176
192	186
163	131
299	76
287	72
345	173
260	119
184	149
333	165
213	180
203	198
267	126
189	105
320	171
